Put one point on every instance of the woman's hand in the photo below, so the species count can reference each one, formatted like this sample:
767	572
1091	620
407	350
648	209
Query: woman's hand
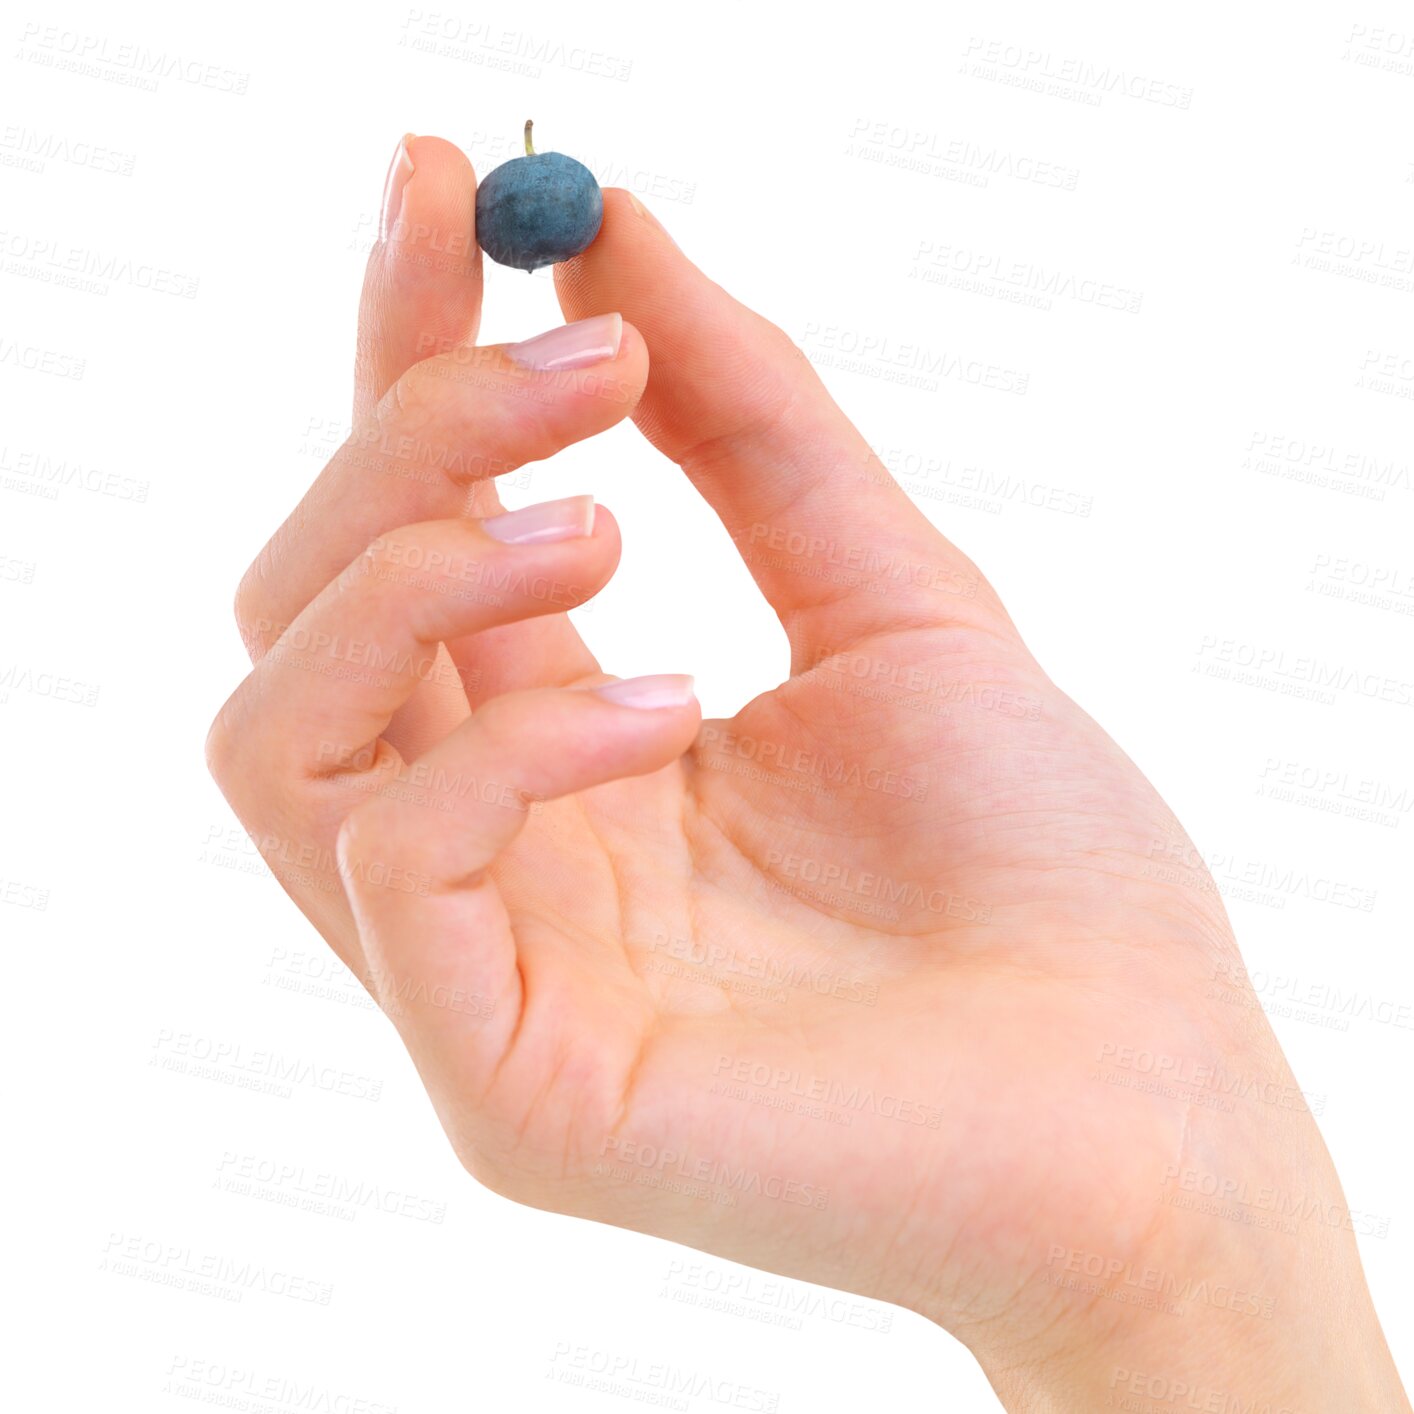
903	979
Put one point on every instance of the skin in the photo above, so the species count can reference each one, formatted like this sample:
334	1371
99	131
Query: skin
991	916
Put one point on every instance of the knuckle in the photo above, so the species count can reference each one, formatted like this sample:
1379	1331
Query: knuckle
221	745
417	398
362	837
370	565
782	351
500	725
430	432
403	548
252	608
382	552
418	557
491	1170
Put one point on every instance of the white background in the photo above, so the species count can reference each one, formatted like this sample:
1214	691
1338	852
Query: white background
1186	510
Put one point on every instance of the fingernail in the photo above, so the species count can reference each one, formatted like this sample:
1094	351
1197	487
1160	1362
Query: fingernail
574	345
539	524
641	210
659	690
399	170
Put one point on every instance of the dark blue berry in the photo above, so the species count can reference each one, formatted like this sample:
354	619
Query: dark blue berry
538	209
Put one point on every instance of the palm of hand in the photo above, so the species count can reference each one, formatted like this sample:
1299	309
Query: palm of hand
841	969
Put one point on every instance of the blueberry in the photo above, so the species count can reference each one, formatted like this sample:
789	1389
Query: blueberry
537	209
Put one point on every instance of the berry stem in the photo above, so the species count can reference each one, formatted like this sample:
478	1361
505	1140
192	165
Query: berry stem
529	150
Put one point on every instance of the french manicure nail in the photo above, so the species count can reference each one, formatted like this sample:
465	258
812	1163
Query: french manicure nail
540	524
399	170
658	690
574	345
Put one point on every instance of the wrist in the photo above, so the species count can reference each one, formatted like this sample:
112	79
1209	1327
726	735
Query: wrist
1224	1279
1180	1245
1270	1323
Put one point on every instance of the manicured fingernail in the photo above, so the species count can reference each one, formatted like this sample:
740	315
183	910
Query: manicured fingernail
539	524
659	690
574	345
399	170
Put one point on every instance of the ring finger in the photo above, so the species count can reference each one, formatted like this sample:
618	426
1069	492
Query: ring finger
300	742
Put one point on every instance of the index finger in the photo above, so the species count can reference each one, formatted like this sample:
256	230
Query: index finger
422	286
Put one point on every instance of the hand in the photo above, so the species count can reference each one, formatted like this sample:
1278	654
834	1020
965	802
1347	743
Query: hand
869	985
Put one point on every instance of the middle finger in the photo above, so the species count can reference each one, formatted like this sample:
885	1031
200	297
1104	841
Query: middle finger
445	427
